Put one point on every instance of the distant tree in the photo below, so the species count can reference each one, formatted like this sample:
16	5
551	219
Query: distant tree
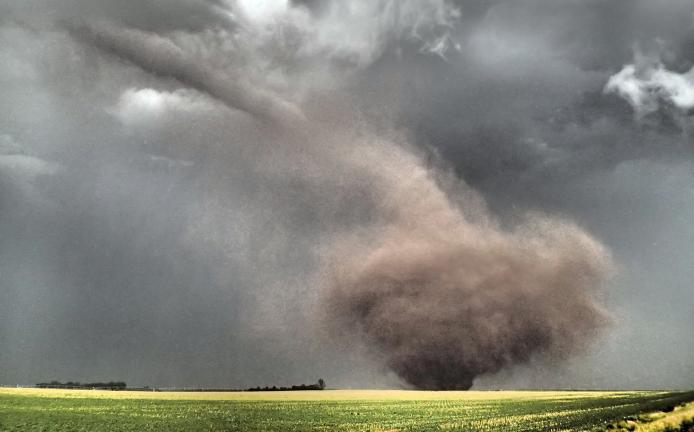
111	385
321	384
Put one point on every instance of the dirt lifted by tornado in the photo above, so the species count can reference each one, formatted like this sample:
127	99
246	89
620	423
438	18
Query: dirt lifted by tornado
422	274
443	297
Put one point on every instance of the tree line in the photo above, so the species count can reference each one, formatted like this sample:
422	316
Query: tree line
320	385
111	385
120	385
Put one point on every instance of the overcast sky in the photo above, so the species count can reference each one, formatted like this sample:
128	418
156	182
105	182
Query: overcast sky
181	180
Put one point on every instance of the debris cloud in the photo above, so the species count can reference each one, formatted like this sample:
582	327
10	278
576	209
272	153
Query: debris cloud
436	287
443	299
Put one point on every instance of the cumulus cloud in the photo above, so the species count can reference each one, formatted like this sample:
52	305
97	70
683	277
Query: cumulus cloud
647	85
146	106
356	32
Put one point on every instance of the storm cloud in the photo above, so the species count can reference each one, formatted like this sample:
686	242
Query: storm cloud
217	193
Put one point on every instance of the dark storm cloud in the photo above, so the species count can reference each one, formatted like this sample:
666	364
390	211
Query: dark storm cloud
162	237
161	57
454	360
153	15
523	97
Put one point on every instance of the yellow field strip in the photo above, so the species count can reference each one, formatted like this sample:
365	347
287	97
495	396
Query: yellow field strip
674	419
313	395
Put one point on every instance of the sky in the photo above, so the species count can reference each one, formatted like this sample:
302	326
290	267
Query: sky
218	193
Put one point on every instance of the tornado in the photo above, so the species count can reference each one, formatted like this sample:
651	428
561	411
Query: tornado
429	280
442	293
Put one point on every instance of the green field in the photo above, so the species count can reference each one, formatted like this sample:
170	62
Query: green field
338	410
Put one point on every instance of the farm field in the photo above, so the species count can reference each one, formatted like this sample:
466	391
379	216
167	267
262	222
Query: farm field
331	410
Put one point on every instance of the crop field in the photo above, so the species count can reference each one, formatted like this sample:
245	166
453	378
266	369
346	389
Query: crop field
336	410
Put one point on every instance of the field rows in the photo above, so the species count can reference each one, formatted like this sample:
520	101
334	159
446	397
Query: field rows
59	410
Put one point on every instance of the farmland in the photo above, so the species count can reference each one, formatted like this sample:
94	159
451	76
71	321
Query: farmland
335	410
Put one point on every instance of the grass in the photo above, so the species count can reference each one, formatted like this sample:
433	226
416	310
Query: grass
335	410
668	421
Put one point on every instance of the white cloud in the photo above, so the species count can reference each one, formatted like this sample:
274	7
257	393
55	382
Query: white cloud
353	31
262	10
648	85
145	106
